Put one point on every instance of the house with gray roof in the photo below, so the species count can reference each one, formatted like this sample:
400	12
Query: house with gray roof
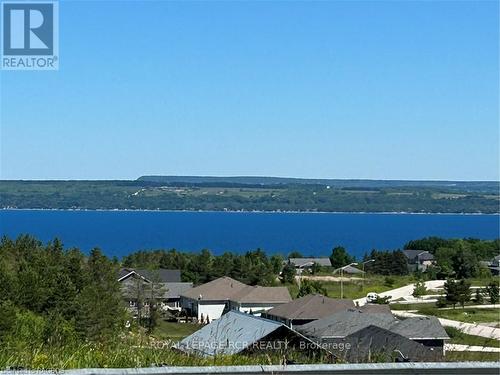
493	265
348	270
336	327
306	309
418	260
301	264
237	332
376	344
139	286
160	275
211	300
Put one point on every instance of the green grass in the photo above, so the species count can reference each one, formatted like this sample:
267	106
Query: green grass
174	331
483	281
458	337
355	289
129	352
411	306
472	356
465	315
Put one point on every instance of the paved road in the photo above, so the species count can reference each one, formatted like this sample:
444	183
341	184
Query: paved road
404	291
469	328
470	348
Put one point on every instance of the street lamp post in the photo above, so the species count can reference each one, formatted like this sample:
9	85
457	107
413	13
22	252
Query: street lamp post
342	278
363	269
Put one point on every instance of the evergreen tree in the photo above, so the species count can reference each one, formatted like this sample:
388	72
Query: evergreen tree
288	274
100	313
451	292
311	287
340	257
463	292
420	289
492	290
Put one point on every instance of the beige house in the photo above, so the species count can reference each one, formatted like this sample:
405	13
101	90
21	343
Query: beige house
211	300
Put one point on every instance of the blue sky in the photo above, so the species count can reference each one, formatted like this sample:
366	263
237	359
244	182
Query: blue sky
332	89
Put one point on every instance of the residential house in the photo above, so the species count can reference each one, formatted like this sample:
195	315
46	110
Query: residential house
213	299
237	332
139	286
301	264
334	329
372	344
348	270
493	265
418	260
306	309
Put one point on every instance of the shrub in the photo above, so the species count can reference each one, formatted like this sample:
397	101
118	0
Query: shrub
389	281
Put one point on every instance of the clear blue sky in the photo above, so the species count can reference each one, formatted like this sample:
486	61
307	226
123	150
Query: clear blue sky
332	89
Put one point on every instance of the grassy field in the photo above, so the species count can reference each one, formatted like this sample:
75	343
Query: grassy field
458	337
472	356
464	315
411	306
174	331
354	289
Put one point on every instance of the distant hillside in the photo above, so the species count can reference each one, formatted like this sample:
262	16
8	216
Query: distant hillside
469	186
254	194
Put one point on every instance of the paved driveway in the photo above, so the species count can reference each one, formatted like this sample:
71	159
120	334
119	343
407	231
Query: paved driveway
404	291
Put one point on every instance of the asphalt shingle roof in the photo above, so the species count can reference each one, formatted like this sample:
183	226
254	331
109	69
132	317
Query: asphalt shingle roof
344	323
422	254
347	322
373	340
232	333
425	327
300	262
312	306
161	275
174	290
226	288
223	288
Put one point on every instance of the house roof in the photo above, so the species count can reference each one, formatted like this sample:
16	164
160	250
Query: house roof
232	333
263	294
344	323
347	322
223	288
421	254
373	308
424	327
301	262
373	340
226	288
174	290
348	269
312	306
161	275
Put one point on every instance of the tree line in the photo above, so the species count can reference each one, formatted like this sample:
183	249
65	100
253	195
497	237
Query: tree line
49	294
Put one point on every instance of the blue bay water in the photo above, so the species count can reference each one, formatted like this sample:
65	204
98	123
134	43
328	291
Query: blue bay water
122	232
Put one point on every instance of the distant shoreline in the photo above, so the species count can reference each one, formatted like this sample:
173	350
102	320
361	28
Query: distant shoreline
251	212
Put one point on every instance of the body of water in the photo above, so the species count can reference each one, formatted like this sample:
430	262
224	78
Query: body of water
122	232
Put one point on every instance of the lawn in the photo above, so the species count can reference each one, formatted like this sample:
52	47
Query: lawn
471	356
464	315
458	337
412	306
174	331
354	289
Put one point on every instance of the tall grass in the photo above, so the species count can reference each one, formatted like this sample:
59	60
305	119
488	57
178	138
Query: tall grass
127	353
